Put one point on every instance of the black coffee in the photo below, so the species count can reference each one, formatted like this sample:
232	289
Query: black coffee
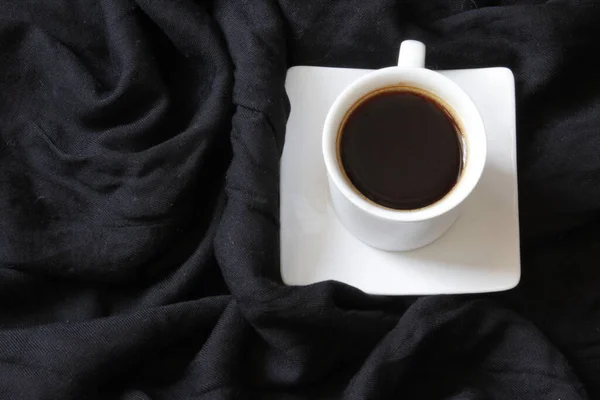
401	150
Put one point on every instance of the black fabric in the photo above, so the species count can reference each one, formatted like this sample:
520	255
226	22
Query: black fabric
139	154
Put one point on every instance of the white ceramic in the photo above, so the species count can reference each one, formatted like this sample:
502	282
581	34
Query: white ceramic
399	230
479	253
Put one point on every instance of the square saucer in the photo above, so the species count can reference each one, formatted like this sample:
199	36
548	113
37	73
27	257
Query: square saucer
480	252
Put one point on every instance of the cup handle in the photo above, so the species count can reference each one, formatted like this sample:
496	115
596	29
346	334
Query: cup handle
412	54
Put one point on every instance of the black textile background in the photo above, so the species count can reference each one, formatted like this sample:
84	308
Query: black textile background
139	154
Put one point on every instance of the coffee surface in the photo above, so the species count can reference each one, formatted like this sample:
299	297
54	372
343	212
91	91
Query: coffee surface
401	150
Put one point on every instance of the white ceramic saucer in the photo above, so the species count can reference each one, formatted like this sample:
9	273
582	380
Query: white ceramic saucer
480	253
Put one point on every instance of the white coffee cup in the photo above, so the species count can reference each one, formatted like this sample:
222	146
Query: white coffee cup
399	230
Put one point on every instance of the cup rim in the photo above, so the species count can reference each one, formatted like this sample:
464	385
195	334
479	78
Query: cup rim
473	130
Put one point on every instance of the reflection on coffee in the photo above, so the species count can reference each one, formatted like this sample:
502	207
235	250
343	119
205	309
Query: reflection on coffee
401	149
